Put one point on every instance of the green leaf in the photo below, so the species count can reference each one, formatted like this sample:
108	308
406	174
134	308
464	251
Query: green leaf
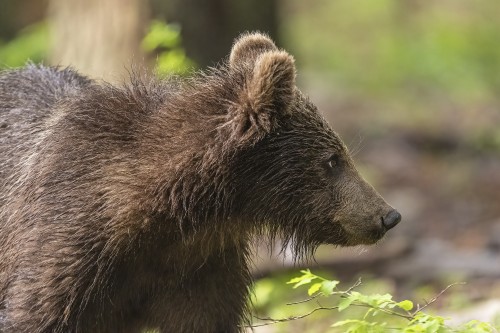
377	300
478	327
327	287
425	323
303	282
306	278
161	34
370	311
345	303
405	305
414	329
294	280
307	272
314	288
357	326
347	322
173	61
32	43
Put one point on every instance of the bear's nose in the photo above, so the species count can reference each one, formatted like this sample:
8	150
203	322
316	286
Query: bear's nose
391	219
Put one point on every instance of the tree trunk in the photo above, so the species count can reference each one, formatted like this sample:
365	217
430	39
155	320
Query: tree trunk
208	27
100	38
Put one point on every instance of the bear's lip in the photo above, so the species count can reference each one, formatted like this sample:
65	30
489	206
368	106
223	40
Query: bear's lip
337	233
365	237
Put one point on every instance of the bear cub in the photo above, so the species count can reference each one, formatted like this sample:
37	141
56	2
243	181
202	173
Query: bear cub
133	207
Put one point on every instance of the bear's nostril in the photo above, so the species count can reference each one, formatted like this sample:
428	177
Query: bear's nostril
391	219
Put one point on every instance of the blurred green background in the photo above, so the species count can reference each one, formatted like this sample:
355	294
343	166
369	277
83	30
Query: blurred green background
412	86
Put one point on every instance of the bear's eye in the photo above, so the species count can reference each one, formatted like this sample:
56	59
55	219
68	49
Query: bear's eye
333	161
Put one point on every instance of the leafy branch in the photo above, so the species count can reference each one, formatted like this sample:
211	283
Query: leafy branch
416	321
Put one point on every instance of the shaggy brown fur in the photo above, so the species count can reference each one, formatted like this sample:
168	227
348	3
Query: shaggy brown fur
126	208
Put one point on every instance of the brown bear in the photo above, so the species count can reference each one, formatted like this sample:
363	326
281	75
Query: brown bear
132	208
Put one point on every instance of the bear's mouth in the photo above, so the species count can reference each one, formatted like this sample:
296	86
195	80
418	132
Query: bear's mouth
333	234
350	233
364	236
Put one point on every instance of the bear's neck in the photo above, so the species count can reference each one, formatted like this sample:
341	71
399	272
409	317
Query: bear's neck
184	166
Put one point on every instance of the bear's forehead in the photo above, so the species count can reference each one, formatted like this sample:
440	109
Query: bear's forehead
305	125
309	113
304	105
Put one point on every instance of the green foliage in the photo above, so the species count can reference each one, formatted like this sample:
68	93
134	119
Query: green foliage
476	327
393	47
31	44
165	40
325	286
381	313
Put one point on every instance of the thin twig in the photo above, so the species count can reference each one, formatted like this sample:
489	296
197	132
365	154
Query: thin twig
435	298
275	321
388	311
304	300
357	284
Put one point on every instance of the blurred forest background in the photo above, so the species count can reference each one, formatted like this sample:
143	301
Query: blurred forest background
412	86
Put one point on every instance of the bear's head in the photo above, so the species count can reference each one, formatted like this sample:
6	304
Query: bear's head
294	175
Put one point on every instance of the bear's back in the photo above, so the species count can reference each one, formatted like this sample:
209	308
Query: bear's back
26	97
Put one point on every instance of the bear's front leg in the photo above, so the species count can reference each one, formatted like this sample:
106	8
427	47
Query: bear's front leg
210	299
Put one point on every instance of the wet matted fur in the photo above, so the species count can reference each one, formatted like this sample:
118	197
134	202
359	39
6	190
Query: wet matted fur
132	207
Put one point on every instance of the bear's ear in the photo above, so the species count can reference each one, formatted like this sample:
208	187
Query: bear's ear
271	87
248	47
268	91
